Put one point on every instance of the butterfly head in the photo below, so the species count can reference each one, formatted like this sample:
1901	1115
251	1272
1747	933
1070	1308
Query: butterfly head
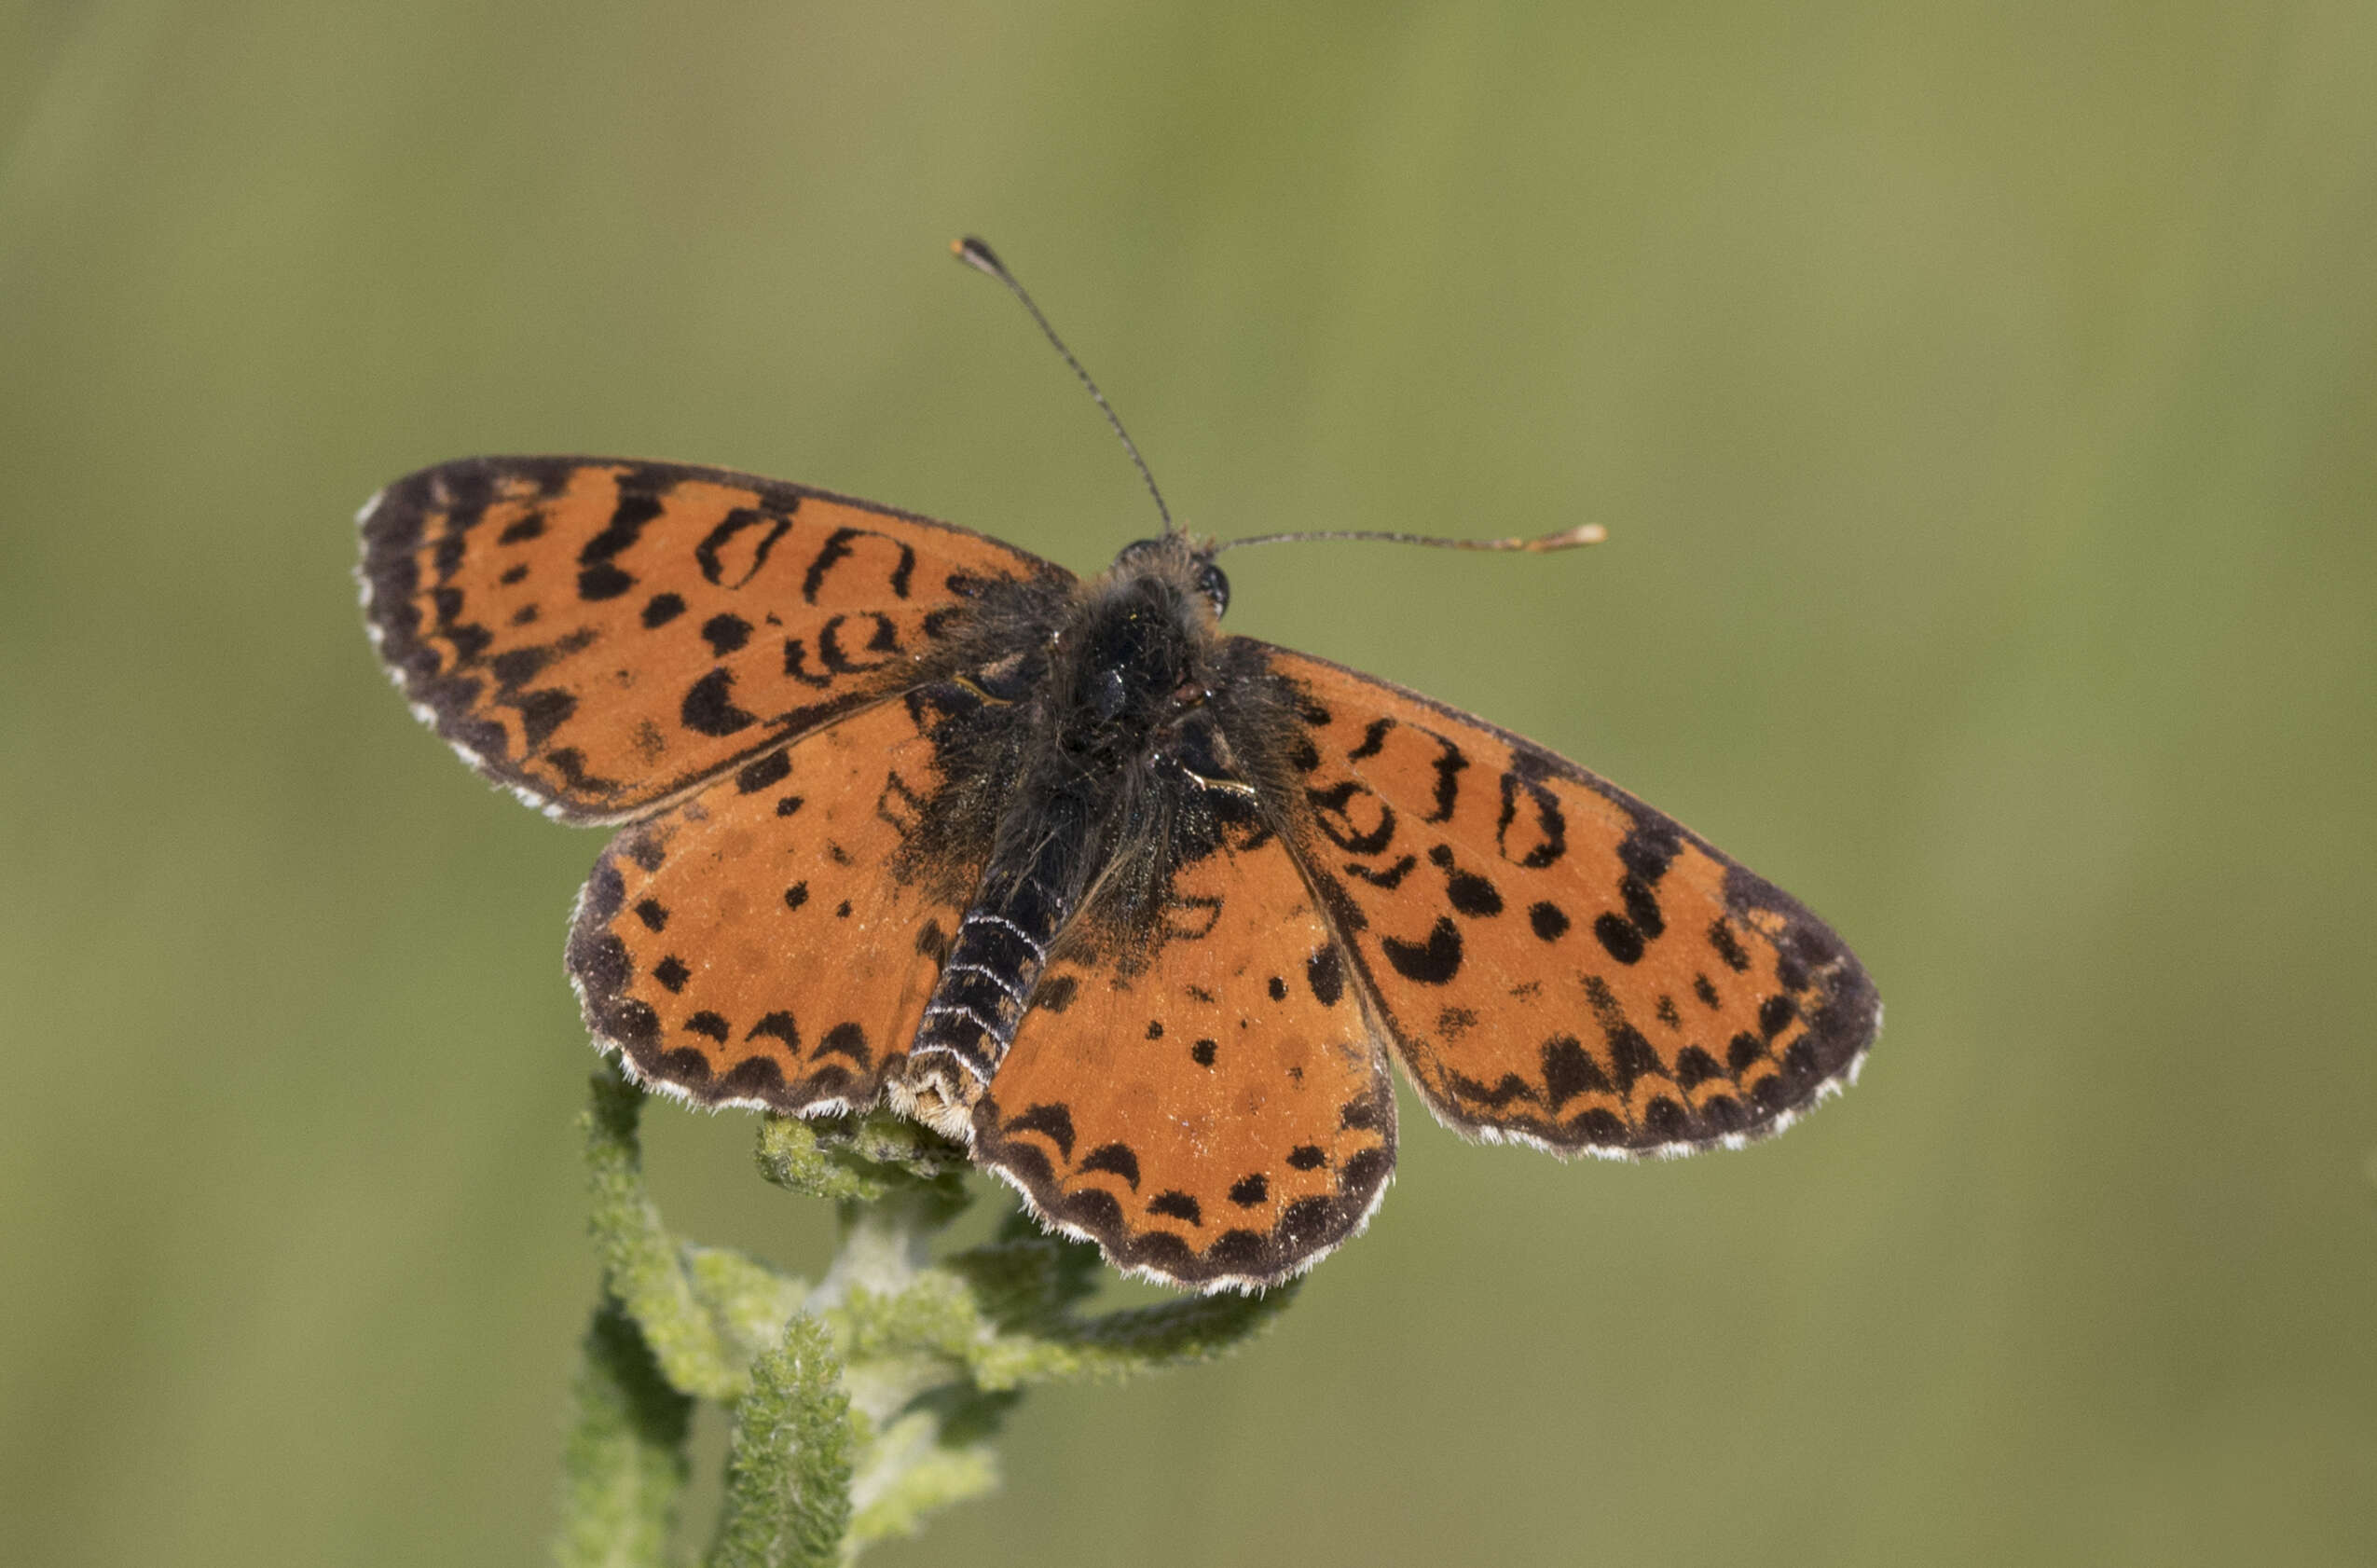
1135	652
1187	563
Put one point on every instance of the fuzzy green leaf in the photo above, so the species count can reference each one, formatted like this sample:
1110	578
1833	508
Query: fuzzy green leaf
641	1264
788	1473
859	1159
624	1464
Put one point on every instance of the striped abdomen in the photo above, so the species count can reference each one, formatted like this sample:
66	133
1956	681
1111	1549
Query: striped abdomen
1002	945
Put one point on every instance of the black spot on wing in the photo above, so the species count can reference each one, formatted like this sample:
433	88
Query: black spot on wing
877	634
769	770
847	1039
753	1078
777	1026
835	548
710	709
1641	907
1631	1058
1434	962
1647	851
1727	945
1325	972
1448	763
515	667
725	633
1176	1205
1116	1159
1570	1070
602	580
542	712
1695	1066
709	554
1054	1123
687	1067
1373	740
1344	820
1599	1125
1530	829
1619	939
1469	893
1390	878
598	575
1492	1097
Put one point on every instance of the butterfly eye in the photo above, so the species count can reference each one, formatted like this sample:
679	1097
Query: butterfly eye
1215	586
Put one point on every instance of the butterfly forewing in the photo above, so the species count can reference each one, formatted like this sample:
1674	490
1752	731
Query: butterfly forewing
603	636
771	941
1554	960
1212	1108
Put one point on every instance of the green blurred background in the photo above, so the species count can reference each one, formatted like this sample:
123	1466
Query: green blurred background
1981	399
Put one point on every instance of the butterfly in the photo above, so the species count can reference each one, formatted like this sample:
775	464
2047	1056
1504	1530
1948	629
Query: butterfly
1136	909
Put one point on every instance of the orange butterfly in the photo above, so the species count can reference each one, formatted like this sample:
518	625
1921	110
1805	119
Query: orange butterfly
1135	908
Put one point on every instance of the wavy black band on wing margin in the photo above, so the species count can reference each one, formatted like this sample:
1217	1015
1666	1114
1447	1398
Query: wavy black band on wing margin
1308	1231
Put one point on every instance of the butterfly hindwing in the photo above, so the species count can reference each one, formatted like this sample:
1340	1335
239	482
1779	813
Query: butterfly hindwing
1209	1105
603	636
771	941
1554	960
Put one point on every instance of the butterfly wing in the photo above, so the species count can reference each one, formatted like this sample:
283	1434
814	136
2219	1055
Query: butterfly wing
1210	1105
1555	961
771	941
603	636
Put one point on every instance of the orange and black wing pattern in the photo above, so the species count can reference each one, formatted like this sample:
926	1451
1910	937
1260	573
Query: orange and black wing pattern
604	635
1555	961
771	941
1211	1105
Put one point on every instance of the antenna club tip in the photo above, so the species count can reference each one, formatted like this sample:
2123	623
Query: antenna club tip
974	253
1583	533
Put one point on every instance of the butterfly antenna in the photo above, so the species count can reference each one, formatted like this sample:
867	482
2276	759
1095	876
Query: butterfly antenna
1565	539
982	258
